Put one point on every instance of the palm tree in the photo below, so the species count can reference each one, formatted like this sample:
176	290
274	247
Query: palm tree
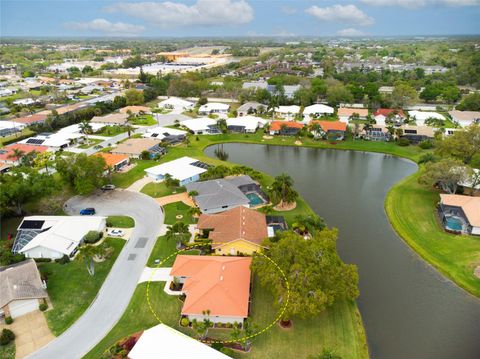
17	155
88	253
178	232
201	328
129	128
85	128
315	128
194	211
282	189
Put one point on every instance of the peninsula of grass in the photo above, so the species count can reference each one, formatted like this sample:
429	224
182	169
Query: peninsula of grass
143	120
121	221
160	189
69	298
174	210
411	209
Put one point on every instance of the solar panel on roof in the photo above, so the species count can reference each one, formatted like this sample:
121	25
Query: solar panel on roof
27	224
200	164
154	135
35	141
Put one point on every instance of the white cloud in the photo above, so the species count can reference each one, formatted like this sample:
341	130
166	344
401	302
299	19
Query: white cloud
413	4
201	13
288	10
106	27
349	14
350	32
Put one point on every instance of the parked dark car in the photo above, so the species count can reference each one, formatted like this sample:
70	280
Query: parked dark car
87	211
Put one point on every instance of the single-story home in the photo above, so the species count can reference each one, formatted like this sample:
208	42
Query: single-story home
171	344
222	194
287	112
417	134
345	114
175	103
377	133
133	147
184	169
22	289
55	141
460	213
249	108
285	128
8	128
465	118
112	119
25	102
237	231
114	160
7	152
54	236
248	124
135	109
382	114
332	129
165	134
288	90
217	284
76	128
318	110
213	108
421	116
201	126
31	120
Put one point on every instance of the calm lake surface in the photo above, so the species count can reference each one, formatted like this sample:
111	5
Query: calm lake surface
409	310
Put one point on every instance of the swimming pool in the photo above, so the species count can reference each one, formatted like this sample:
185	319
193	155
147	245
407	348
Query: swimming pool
254	199
454	224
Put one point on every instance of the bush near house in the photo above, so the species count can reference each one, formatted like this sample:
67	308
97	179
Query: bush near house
43	307
8	320
6	337
92	237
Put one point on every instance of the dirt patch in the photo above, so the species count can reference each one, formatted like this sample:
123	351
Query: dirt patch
476	272
298	143
285	206
267	137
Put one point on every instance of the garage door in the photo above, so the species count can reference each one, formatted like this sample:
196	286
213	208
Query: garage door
21	307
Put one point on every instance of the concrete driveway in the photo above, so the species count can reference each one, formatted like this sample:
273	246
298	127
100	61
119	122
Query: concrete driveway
118	288
31	333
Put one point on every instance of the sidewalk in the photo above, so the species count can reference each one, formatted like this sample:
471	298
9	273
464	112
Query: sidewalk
137	186
179	197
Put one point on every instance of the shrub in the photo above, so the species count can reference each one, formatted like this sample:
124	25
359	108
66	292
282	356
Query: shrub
227	351
92	237
6	337
403	142
426	144
229	325
43	307
184	322
217	346
64	260
8	320
42	260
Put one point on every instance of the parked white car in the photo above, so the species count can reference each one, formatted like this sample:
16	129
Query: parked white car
115	233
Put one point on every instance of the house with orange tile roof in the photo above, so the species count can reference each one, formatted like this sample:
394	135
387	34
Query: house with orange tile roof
215	287
331	129
460	214
7	152
114	160
239	230
31	120
345	114
285	128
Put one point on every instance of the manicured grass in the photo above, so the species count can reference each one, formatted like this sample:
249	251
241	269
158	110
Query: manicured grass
160	189
121	221
172	210
111	131
7	351
26	132
123	180
143	120
412	212
91	142
72	289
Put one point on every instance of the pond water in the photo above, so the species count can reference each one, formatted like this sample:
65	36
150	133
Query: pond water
409	309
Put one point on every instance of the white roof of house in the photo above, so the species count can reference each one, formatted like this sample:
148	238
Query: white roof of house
288	109
179	169
423	115
63	233
318	108
164	342
211	106
11	124
52	139
76	128
175	102
160	133
250	122
199	124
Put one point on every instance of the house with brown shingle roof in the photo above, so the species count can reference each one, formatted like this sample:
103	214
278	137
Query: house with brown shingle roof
21	289
239	230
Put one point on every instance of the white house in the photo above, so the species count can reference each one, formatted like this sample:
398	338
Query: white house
287	112
184	169
317	110
54	236
76	128
213	108
247	124
55	141
24	102
171	344
465	118
160	133
421	116
202	125
175	103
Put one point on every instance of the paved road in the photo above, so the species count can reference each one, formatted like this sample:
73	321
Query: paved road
120	284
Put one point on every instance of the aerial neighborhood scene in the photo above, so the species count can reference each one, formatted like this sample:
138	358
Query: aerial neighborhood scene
240	179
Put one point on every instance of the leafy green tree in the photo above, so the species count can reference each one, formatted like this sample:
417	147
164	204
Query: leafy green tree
201	327
338	94
470	103
462	145
83	173
282	190
446	173
178	232
134	97
403	95
317	277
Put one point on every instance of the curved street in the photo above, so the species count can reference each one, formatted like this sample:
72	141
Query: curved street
121	282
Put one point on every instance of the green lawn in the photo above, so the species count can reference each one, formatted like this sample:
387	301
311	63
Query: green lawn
411	210
172	210
72	289
91	142
121	221
123	180
110	131
26	132
160	189
143	120
7	351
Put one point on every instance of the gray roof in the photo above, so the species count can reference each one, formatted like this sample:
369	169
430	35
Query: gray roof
249	105
220	192
20	281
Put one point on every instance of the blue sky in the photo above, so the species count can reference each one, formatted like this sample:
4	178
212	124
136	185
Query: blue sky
239	18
